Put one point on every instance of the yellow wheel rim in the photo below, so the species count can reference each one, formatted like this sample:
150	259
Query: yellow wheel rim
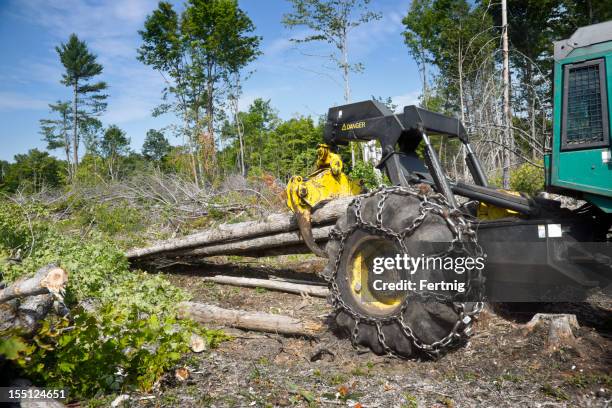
359	279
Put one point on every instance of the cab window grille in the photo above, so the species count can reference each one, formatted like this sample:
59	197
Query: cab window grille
585	107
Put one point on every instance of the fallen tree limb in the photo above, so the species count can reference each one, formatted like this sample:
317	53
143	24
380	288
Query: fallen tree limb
250	246
319	283
273	224
280	286
50	278
242	319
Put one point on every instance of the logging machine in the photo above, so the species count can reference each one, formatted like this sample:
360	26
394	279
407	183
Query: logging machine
535	249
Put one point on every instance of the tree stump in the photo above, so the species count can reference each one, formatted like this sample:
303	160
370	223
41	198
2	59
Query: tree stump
560	333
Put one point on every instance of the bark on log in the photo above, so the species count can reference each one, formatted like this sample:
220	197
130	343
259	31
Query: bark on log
252	245
50	278
25	314
273	224
298	288
242	319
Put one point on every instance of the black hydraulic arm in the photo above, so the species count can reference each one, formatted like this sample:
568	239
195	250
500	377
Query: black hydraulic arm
371	120
440	124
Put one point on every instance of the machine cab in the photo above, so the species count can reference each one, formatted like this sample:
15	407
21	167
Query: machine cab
580	162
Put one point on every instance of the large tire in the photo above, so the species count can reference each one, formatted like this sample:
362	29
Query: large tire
429	321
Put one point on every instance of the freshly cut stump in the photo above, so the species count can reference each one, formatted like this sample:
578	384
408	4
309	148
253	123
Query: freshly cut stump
355	301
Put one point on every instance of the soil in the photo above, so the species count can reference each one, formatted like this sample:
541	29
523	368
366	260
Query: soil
500	366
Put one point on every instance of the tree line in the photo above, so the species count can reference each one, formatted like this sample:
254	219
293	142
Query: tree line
203	53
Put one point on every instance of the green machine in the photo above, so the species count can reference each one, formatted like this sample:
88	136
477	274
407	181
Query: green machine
580	164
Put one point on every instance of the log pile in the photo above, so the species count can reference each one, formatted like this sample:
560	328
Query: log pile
274	235
26	302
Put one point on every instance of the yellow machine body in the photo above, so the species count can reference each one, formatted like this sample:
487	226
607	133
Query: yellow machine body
491	212
325	183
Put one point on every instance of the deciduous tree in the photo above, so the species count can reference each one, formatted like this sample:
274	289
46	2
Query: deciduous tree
56	131
33	171
195	51
114	144
331	21
155	146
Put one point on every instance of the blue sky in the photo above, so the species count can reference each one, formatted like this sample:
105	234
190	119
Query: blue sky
297	84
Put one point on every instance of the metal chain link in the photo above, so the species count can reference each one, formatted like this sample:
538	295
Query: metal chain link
462	232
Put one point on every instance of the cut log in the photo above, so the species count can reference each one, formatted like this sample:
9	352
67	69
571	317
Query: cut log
50	278
312	290
27	301
273	224
247	247
242	319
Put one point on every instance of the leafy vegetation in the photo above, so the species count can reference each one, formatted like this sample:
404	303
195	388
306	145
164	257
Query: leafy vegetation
527	178
367	174
113	350
128	336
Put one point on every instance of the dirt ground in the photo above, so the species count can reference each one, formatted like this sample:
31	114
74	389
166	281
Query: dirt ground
500	366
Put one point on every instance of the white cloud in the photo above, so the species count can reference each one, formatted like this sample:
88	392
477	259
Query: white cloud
278	46
368	37
16	101
87	19
410	98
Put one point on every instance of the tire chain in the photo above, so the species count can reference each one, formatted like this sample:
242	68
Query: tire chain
462	231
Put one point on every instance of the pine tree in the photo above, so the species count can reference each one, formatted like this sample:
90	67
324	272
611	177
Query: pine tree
87	99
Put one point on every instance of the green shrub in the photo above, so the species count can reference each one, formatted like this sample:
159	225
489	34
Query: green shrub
19	224
111	219
365	171
115	350
527	178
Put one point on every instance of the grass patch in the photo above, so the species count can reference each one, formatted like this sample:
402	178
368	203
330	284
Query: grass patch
554	392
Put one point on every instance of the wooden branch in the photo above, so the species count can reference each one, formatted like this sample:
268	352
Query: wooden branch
273	224
50	278
257	321
312	290
247	247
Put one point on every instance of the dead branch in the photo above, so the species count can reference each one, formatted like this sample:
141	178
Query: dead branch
312	290
256	321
